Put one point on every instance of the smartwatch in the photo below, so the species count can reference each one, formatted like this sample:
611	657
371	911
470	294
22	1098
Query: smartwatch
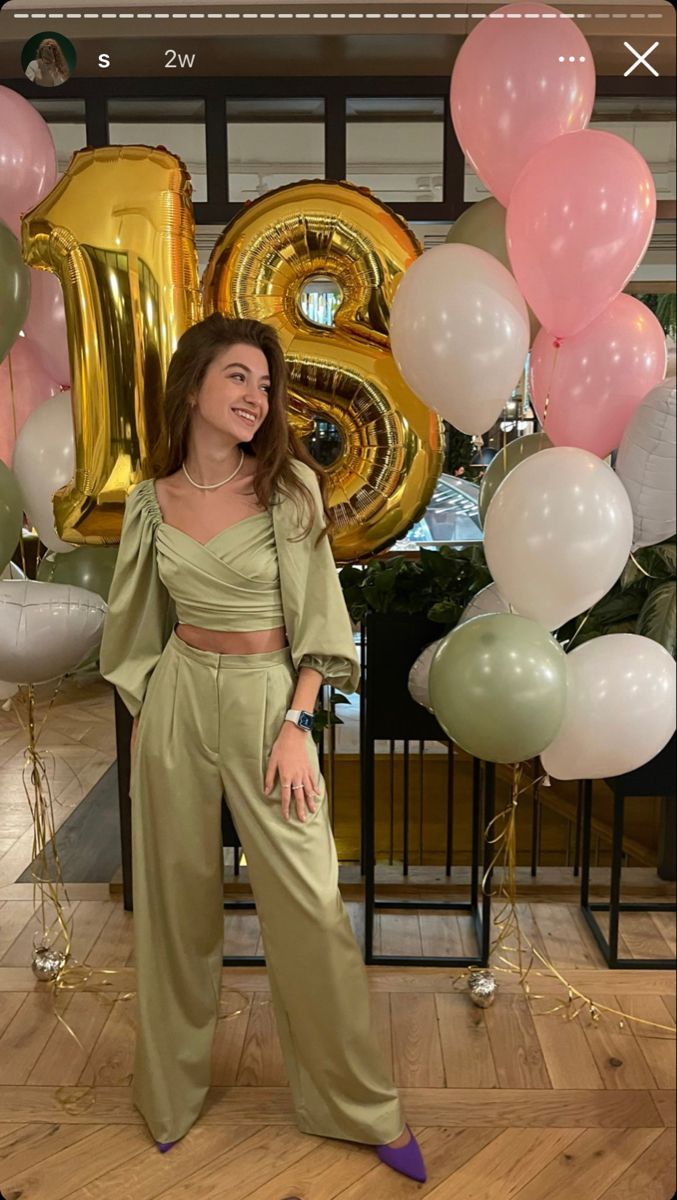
299	717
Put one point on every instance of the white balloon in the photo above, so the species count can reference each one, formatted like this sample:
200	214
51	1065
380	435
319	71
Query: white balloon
419	675
46	629
620	709
557	534
488	600
645	464
43	461
459	333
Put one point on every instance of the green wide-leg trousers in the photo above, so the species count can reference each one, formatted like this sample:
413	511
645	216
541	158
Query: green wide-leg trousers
206	728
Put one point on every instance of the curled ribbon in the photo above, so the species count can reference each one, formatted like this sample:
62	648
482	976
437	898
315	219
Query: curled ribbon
70	975
508	922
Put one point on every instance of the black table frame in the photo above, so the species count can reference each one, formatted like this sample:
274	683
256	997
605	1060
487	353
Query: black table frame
387	711
655	778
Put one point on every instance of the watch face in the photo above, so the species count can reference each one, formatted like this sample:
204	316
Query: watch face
306	720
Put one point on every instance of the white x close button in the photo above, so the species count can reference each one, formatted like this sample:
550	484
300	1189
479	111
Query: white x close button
641	58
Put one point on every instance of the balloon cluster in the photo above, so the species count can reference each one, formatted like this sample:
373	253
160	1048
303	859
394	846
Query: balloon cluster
569	221
52	624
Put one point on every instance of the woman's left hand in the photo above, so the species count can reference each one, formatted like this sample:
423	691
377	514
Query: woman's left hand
289	758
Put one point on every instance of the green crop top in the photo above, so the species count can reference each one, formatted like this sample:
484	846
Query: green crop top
249	576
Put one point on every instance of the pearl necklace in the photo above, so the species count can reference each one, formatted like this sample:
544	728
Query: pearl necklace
205	487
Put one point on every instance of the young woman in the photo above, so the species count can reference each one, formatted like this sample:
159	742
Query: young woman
225	615
49	67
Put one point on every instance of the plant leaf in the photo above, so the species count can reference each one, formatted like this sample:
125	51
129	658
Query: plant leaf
658	618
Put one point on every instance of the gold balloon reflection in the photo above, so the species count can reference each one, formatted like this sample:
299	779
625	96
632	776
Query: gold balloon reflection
118	231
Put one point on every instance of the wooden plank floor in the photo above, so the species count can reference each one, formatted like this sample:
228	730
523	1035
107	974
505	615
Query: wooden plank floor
506	1103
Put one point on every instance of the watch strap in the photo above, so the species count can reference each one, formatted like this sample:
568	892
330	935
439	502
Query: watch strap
300	718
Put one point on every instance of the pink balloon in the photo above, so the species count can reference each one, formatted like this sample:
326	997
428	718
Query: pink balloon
514	88
28	166
578	223
45	325
25	391
599	377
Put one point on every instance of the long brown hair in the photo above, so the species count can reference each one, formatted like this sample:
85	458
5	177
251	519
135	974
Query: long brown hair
274	444
58	57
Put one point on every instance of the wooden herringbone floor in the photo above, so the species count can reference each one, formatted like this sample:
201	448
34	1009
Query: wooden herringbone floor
506	1104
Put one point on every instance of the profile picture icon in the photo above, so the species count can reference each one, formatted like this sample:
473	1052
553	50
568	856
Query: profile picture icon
48	59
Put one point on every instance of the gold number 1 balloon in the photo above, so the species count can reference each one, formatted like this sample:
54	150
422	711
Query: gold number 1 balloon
118	230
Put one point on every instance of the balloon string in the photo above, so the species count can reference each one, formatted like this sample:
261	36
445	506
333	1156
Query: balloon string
508	922
576	632
11	391
641	568
557	343
70	974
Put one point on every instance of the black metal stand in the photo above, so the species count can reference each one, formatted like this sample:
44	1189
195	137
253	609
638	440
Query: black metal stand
123	733
388	712
655	778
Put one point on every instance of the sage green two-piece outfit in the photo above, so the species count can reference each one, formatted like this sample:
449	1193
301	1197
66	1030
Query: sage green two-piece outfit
207	724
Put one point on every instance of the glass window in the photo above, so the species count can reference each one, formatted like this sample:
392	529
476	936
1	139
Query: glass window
648	123
272	143
395	147
319	298
177	124
67	125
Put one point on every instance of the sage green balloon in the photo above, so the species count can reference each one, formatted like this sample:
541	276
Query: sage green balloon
483	225
11	514
498	687
15	290
503	462
89	567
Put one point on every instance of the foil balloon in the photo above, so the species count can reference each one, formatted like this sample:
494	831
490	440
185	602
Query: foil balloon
118	231
488	600
392	443
419	676
646	465
46	629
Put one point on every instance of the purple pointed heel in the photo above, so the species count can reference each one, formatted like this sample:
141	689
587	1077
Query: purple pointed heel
163	1147
408	1159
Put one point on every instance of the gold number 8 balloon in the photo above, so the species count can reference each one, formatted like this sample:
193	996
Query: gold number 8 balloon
118	230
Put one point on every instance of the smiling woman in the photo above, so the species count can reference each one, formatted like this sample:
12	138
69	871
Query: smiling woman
223	702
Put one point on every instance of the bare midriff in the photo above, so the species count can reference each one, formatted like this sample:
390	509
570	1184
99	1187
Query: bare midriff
255	641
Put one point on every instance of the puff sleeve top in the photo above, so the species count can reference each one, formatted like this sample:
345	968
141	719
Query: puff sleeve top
141	612
316	616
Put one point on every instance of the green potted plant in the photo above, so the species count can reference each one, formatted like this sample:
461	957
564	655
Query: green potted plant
437	585
404	604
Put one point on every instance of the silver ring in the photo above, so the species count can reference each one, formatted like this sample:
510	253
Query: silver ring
295	787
